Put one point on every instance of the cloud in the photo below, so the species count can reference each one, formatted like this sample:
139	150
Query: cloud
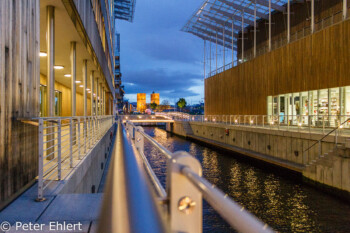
157	56
167	84
168	47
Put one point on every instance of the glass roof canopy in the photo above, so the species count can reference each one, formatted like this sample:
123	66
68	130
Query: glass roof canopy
217	17
124	9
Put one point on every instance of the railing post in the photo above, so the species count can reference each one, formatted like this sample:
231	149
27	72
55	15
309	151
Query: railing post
263	121
71	141
85	133
323	124
95	129
41	163
139	139
319	148
79	139
59	142
185	204
88	130
336	137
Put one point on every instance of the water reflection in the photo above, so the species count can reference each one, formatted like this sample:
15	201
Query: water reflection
285	205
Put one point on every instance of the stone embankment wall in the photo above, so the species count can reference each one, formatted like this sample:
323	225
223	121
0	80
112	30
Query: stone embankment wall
283	148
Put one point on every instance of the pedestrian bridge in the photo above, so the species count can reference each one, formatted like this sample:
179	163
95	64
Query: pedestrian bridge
147	118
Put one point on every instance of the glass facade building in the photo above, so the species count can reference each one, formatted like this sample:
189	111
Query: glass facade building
323	107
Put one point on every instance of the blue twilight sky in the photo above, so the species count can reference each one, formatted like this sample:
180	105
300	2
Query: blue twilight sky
157	56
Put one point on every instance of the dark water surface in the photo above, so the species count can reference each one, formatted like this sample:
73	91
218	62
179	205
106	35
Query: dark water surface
283	203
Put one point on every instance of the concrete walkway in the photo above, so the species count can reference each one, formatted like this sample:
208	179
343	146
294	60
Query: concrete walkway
70	212
79	210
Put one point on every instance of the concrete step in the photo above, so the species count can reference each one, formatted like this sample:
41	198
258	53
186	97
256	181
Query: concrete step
326	162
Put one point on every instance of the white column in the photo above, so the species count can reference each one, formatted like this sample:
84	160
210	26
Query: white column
50	45
345	9
97	95
288	21
204	60
92	79
216	53
232	43
210	58
50	95
103	101
84	86
312	16
73	57
255	29
242	52
223	47
270	42
100	98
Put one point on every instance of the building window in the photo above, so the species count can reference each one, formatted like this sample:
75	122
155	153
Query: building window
347	100
58	103
269	105
275	106
42	99
325	107
282	109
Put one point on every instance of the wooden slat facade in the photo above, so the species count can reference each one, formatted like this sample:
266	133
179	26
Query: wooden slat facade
315	62
19	87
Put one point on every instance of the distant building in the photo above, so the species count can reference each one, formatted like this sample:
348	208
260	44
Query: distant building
155	98
141	102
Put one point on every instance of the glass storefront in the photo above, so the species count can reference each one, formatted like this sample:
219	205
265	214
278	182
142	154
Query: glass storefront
323	102
347	100
269	105
282	109
317	107
42	99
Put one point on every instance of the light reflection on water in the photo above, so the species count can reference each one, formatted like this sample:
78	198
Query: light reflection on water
286	205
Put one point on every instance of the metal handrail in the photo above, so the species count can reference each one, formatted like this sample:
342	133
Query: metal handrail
81	133
339	127
161	148
231	211
280	122
127	192
158	186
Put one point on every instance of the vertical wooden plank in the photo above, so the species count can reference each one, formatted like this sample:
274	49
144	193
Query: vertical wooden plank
2	101
8	92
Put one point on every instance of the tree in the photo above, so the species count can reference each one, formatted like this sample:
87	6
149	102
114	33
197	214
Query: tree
153	106
165	103
181	103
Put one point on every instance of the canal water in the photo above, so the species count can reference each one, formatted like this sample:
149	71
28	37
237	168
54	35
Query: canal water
283	202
